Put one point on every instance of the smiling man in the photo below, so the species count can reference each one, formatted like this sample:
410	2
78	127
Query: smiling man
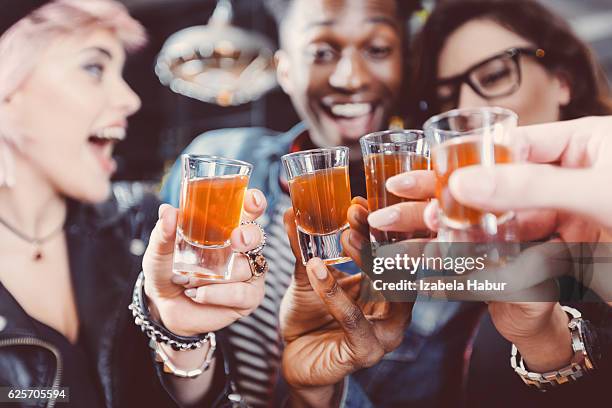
341	63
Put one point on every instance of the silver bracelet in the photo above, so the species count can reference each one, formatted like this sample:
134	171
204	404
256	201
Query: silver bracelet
155	330
170	368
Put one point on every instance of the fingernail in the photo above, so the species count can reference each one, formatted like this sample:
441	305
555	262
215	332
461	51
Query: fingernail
180	279
474	185
191	293
384	217
401	182
320	270
257	199
246	237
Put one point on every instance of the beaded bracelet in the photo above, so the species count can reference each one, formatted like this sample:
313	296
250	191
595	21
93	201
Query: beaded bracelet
156	331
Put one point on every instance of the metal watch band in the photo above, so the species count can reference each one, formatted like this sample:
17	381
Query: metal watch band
580	365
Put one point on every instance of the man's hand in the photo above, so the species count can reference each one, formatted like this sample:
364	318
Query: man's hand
326	332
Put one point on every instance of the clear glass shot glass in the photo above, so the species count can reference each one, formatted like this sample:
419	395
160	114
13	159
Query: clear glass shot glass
465	137
386	154
321	195
211	200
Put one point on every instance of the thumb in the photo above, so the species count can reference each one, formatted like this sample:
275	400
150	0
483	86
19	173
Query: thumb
534	186
157	260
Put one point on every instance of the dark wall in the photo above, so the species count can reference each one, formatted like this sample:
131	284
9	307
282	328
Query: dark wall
167	122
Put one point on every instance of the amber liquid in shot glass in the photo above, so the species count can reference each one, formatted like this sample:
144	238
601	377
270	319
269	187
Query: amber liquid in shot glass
321	200
213	209
379	167
320	195
212	196
457	153
386	154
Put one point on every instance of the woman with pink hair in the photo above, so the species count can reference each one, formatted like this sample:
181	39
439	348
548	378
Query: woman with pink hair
69	258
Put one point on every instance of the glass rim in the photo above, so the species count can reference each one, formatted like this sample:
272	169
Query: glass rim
315	152
370	137
466	111
208	158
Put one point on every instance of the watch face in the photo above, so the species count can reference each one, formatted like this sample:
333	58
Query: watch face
591	345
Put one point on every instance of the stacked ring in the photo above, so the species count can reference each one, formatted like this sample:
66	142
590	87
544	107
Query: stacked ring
257	262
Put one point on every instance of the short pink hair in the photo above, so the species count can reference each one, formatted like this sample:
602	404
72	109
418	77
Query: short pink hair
23	42
21	45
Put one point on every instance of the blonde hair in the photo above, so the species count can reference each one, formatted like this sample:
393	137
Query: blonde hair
21	45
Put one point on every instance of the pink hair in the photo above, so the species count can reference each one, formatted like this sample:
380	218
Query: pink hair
21	44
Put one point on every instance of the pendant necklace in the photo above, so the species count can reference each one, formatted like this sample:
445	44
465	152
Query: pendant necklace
37	242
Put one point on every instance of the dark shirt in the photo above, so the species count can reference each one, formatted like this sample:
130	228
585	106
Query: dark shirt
78	374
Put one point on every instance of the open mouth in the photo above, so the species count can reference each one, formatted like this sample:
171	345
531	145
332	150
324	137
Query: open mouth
102	142
352	120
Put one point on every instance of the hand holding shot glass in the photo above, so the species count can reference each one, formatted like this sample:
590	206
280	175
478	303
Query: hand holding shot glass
321	195
212	197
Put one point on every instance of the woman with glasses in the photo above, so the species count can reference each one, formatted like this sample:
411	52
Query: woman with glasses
514	54
518	55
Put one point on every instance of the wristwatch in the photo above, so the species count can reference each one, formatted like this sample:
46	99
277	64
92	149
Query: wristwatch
586	354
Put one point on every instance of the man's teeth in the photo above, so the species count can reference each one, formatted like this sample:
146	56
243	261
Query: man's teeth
111	133
351	110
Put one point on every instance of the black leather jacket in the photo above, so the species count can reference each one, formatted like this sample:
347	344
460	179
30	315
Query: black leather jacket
105	250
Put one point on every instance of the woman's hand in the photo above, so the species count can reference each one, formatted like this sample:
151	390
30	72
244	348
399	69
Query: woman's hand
327	333
189	307
563	190
527	324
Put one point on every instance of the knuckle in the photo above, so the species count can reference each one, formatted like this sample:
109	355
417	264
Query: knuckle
393	343
371	356
333	290
351	318
250	300
201	297
240	295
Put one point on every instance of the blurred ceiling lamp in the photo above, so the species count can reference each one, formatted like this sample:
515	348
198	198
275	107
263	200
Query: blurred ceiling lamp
218	63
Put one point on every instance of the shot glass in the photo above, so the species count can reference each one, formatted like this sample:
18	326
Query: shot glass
465	137
386	154
211	199
321	195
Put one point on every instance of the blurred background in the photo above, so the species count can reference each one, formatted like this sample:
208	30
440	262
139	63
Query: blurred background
168	120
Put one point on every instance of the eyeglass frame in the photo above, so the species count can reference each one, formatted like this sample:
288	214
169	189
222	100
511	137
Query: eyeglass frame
514	53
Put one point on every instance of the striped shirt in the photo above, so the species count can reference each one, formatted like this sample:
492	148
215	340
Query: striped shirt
255	339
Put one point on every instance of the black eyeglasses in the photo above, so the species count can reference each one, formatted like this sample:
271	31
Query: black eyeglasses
497	76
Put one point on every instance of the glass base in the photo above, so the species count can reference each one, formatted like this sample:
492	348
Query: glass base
495	241
324	246
490	229
209	263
